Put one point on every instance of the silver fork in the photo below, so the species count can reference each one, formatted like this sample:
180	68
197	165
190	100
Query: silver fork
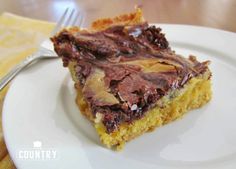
45	50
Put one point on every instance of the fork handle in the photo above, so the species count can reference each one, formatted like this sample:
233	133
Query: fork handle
14	71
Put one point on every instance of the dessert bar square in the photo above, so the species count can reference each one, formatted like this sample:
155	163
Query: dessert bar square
127	77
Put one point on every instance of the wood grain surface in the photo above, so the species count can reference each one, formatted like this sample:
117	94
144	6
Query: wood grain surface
211	13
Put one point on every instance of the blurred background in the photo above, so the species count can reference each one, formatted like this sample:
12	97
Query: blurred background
212	13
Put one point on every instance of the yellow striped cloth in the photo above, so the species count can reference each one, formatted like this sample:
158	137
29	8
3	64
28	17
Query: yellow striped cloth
19	37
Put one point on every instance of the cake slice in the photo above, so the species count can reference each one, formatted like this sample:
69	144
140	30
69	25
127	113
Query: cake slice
127	78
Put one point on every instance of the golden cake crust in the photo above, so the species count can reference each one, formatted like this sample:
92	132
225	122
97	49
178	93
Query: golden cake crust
125	19
196	93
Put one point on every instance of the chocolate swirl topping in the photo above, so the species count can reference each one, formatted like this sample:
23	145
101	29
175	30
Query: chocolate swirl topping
124	70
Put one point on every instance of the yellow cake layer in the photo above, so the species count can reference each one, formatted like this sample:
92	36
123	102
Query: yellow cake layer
194	94
197	93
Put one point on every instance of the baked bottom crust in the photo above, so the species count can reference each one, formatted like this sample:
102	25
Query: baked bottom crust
194	94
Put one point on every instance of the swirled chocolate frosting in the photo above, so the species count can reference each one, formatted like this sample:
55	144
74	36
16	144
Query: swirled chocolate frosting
124	70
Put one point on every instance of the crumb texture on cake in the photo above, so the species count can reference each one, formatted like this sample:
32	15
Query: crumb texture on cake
196	93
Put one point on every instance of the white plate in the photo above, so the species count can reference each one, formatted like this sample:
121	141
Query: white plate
40	106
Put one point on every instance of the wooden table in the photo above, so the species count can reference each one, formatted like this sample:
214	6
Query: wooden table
211	13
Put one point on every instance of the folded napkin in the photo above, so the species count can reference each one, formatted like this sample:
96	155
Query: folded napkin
19	37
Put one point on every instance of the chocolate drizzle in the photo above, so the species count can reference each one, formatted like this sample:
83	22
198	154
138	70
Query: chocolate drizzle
124	70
